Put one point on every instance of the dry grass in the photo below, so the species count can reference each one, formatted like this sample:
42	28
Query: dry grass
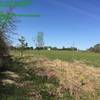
80	80
10	77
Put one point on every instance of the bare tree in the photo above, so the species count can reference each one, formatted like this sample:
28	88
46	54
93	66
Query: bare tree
40	40
7	26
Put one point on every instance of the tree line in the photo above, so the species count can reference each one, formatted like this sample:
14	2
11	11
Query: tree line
40	45
95	48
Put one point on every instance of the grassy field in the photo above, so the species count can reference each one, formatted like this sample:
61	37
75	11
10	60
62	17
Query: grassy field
51	75
87	57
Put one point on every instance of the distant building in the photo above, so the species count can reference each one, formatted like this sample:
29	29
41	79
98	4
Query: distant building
49	49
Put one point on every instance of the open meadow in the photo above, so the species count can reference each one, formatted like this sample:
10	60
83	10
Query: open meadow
87	57
51	75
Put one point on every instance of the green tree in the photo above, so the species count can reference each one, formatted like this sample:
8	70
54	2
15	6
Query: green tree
23	45
95	48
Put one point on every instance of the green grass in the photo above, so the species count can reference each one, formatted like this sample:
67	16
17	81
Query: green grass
39	83
87	57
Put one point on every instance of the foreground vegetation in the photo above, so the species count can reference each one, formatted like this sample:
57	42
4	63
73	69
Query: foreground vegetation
36	78
51	75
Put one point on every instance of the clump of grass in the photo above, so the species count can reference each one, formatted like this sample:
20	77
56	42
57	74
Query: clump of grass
75	78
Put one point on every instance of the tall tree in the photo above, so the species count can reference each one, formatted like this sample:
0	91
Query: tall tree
7	26
40	40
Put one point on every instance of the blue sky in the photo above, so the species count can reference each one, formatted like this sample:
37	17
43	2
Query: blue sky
62	22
